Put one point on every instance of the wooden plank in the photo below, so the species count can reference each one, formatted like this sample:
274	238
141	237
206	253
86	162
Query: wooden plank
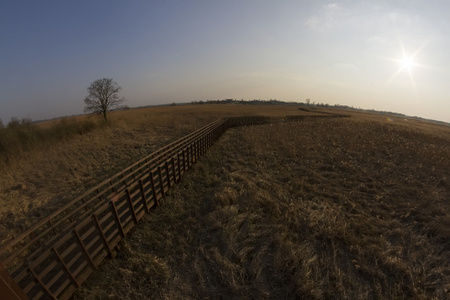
85	274
86	253
115	240
9	288
92	242
145	176
68	293
73	260
134	194
146	183
179	167
125	211
83	265
168	175
202	145
192	154
41	283
139	208
113	206
120	203
38	295
66	268
31	284
112	235
155	195
144	199
128	226
140	214
108	227
20	276
184	161
98	258
69	249
62	287
99	227
41	258
161	181
54	279
147	189
128	220
107	215
138	205
188	157
48	268
174	171
87	233
195	150
102	209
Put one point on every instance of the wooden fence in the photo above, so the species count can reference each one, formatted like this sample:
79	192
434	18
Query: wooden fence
54	257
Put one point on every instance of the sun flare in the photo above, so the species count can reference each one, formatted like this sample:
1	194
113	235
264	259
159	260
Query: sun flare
407	63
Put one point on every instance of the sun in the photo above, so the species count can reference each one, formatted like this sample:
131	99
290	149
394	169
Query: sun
407	63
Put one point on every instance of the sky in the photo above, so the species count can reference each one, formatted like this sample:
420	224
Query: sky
160	52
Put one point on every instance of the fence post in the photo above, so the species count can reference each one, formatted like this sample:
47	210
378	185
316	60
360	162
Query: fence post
174	171
9	289
167	175
179	166
144	198
161	181
155	195
184	161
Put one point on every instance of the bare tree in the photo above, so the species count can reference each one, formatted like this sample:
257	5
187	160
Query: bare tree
103	96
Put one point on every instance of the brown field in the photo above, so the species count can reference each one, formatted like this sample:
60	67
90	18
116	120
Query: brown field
348	208
36	181
353	208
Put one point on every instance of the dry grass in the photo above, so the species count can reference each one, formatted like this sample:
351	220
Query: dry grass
354	208
42	175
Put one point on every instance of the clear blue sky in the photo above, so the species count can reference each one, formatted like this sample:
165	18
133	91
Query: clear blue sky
345	52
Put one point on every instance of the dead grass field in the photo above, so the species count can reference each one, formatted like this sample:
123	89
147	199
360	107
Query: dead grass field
37	181
352	208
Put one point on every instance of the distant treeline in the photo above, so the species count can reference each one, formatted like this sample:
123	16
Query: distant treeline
270	101
242	101
308	103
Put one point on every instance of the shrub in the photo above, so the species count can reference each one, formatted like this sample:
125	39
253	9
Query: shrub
23	135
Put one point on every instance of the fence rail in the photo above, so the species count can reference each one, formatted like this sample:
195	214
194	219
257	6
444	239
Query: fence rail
54	257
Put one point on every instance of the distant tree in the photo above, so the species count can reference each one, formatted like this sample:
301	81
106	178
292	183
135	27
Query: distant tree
103	96
308	101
